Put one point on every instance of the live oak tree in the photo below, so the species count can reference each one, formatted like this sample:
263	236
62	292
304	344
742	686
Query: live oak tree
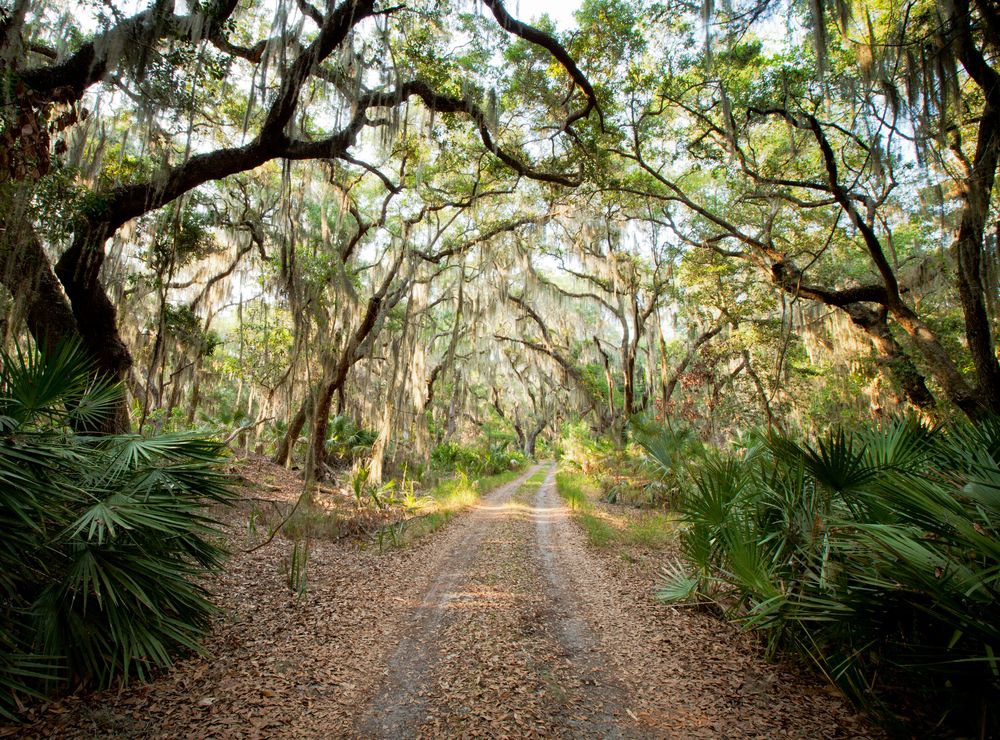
316	81
657	213
806	165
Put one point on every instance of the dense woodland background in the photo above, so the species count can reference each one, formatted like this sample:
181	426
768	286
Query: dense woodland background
377	241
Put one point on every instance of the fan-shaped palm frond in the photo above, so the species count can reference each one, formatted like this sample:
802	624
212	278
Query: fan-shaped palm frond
105	536
875	552
58	389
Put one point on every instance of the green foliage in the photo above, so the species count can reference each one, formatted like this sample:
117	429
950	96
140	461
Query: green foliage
259	349
184	325
599	532
183	237
455	494
582	448
391	535
668	448
573	488
646	530
377	496
653	530
477	461
297	568
104	537
436	509
347	441
313	523
570	487
874	552
623	475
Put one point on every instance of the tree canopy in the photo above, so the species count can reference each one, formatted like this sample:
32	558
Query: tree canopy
435	216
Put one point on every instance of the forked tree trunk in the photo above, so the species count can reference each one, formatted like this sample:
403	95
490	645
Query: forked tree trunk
532	437
283	454
50	315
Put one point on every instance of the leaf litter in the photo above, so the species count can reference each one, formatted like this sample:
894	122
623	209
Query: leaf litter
503	624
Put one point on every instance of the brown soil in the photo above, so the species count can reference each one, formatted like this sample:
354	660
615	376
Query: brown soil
505	624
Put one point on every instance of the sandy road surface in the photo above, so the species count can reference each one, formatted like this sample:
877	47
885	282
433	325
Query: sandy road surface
507	623
526	630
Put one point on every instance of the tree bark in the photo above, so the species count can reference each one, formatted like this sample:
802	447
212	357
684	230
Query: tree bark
532	437
283	454
26	273
608	377
765	402
671	385
977	195
51	316
380	303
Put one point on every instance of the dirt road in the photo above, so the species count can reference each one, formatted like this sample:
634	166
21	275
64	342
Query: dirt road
505	624
497	644
525	630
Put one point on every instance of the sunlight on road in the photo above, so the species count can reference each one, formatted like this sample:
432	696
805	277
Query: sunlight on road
521	511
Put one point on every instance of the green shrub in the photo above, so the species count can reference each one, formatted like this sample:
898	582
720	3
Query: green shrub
653	530
434	510
876	553
573	489
623	474
646	529
582	449
105	537
476	461
347	441
668	450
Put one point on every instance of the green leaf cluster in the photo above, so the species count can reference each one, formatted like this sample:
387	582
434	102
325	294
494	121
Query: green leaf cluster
105	538
874	552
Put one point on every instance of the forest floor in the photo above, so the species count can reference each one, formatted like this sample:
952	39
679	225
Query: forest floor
506	623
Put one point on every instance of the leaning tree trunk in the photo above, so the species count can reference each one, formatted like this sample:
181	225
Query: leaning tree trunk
97	319
608	377
532	437
628	373
59	307
283	454
321	421
395	388
357	346
977	194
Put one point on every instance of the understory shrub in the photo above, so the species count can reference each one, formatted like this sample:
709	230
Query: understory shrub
584	449
346	441
105	538
668	449
875	552
477	461
644	470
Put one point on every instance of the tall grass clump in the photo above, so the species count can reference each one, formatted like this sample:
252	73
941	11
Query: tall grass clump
573	488
874	552
105	538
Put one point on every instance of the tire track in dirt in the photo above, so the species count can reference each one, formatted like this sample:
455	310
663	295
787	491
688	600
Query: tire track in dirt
507	623
398	708
605	696
685	673
497	645
516	662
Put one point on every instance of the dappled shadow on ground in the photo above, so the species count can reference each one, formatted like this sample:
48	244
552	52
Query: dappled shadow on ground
504	623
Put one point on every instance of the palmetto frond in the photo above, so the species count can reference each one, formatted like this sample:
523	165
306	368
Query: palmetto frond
105	536
867	549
